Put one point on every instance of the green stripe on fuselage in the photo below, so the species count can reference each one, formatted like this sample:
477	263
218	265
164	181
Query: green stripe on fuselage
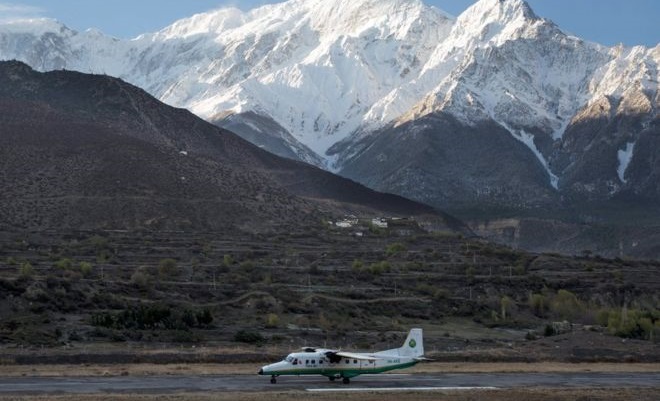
339	371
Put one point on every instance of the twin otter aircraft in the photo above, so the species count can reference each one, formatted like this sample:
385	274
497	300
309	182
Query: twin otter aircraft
339	364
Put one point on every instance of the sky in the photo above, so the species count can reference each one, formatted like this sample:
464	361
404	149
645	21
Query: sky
609	22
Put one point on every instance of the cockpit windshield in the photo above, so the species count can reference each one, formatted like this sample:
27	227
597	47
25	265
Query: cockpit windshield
289	358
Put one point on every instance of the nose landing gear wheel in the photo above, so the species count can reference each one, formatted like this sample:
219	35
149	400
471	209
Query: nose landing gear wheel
273	380
346	380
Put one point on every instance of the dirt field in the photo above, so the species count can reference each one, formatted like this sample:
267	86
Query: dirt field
251	369
490	395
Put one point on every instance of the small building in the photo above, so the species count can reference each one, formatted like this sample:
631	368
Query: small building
347	223
379	222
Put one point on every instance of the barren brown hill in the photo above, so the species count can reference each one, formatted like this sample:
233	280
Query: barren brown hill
91	151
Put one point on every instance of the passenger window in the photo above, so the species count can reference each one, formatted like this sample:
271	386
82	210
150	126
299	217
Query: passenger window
306	361
321	362
354	360
347	361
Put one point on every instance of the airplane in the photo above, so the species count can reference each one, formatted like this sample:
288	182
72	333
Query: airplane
337	364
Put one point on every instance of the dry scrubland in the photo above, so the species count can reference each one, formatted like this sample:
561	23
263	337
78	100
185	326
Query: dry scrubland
494	395
103	298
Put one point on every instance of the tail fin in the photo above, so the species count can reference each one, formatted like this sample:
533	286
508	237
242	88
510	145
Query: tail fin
414	344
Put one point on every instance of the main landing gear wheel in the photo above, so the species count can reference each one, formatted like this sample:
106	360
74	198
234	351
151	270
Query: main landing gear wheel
332	378
273	380
346	380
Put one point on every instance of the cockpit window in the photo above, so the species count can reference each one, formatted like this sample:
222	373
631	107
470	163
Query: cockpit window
289	359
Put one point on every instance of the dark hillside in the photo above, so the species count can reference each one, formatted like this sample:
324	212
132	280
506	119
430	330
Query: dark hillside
90	151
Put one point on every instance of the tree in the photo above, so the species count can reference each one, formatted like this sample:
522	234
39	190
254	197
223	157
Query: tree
537	303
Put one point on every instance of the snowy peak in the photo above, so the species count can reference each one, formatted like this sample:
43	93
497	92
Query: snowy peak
213	22
498	10
494	20
329	71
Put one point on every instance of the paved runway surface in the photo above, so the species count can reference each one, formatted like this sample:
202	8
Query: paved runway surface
390	382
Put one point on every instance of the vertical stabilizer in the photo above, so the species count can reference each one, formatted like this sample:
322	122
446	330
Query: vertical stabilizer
413	347
414	344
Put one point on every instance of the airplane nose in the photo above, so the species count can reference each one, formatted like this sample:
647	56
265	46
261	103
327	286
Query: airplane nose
261	371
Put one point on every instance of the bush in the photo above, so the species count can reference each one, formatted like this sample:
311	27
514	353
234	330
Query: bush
272	321
395	248
549	330
566	305
141	279
248	337
85	268
632	323
167	267
64	264
379	268
506	304
25	270
537	303
151	317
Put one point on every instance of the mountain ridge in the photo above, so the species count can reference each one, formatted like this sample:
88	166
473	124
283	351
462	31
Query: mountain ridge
580	119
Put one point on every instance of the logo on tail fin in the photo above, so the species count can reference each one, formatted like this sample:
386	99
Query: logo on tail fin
412	343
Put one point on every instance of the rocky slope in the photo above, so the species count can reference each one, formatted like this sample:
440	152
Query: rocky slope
89	151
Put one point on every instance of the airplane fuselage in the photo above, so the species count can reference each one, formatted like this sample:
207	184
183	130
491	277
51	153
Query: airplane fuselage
317	363
345	365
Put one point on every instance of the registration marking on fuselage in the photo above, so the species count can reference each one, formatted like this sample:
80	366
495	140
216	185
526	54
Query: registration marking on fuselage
393	389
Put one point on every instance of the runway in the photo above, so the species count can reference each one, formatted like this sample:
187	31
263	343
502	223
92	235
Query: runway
386	382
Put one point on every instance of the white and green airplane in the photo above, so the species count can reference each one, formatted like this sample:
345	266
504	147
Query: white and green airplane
336	364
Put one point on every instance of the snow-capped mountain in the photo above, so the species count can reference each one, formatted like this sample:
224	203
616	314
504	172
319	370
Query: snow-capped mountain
347	84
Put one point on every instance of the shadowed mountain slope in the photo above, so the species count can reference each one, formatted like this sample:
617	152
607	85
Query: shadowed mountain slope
91	151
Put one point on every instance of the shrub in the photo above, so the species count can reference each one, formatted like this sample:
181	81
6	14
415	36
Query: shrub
379	268
151	317
85	268
549	330
167	267
358	265
25	270
227	260
141	279
566	305
204	317
248	337
632	323
272	321
395	248
505	306
64	264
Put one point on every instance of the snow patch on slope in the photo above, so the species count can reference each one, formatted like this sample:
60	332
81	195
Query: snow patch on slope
528	140
625	157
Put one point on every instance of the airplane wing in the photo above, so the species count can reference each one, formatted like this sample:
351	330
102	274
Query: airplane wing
352	355
314	349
